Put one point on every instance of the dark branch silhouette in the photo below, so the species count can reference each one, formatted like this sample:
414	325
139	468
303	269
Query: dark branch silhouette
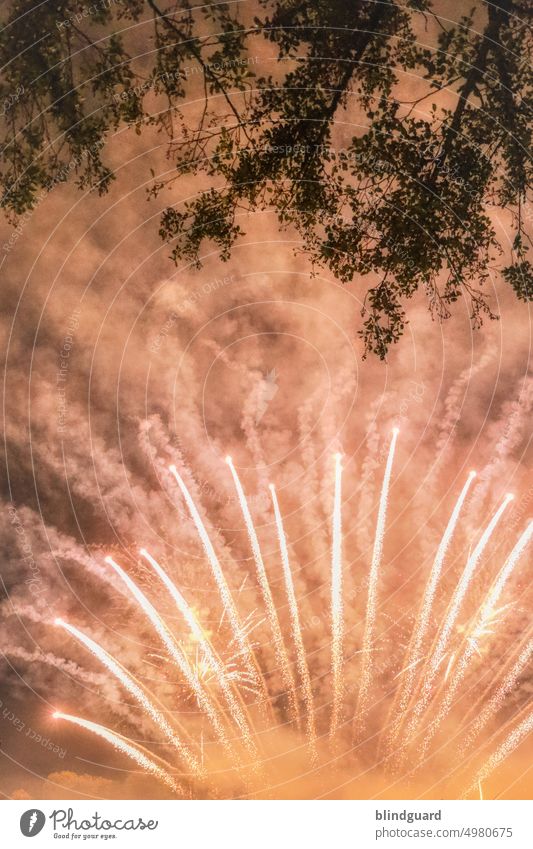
307	109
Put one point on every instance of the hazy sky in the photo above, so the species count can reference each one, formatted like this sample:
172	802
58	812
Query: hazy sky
117	363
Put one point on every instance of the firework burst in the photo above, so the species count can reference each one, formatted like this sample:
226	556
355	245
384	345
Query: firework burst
246	740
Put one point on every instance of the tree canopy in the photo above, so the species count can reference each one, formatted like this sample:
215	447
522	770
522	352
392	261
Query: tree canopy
383	133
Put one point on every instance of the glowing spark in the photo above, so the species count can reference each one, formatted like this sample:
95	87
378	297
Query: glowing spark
336	600
225	594
174	652
301	659
496	701
210	656
507	748
279	646
449	667
368	639
419	634
480	790
453	612
504	575
407	668
133	687
125	746
479	629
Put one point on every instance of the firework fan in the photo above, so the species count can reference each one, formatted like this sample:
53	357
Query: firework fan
236	714
298	234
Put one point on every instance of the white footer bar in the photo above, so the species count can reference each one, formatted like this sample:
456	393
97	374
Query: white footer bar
268	824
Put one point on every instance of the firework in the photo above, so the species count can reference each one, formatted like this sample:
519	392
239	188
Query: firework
480	629
239	634
439	651
423	693
494	704
507	747
371	606
133	687
415	655
279	645
301	660
175	653
127	747
210	656
336	600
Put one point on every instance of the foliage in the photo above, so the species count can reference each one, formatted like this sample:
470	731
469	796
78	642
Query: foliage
396	191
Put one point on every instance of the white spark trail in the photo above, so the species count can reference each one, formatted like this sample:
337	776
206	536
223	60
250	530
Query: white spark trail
368	639
336	600
507	748
480	627
301	659
174	652
279	646
495	592
135	690
415	654
239	633
211	658
496	701
122	744
447	628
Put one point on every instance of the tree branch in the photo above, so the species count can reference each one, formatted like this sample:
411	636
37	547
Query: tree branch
208	72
